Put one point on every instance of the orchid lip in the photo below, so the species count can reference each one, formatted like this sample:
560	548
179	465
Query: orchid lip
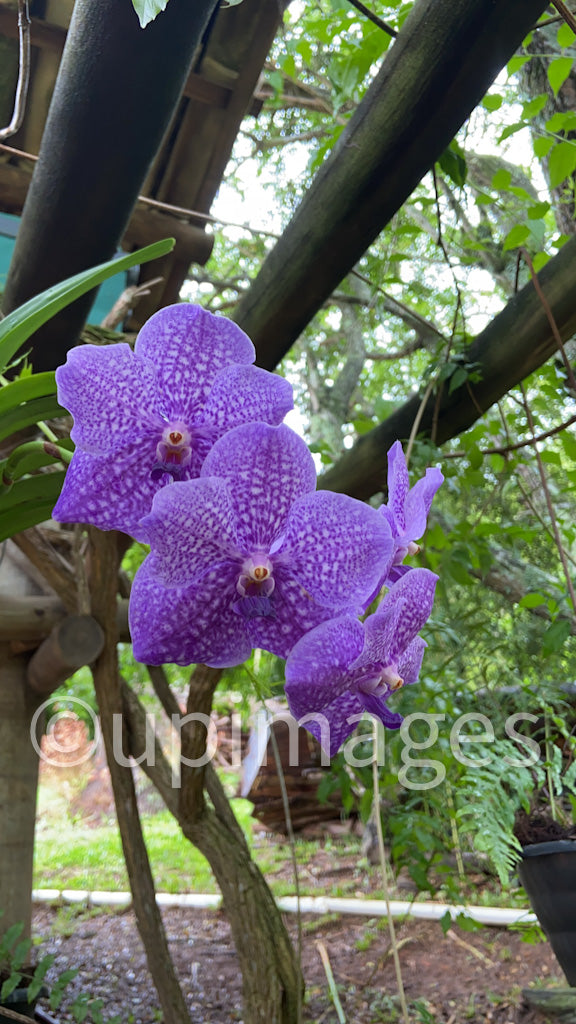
380	682
254	606
173	452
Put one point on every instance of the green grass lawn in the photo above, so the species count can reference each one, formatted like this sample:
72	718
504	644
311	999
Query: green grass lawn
69	854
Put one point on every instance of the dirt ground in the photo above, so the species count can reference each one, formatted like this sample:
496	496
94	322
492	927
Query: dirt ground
458	978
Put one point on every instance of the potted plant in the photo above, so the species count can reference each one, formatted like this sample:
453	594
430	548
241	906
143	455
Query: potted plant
547	835
21	984
522	816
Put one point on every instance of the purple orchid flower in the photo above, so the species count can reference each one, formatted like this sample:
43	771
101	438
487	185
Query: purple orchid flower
344	667
146	417
250	555
408	507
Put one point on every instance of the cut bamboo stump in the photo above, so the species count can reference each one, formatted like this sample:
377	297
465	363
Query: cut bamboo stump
76	641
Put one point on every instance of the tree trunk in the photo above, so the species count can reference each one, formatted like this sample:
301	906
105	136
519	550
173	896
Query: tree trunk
18	789
272	981
272	985
104	581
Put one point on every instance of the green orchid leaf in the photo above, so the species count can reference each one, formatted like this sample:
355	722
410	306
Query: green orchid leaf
18	326
37	385
25	415
29	502
28	458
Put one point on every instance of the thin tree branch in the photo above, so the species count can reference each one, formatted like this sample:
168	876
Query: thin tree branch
105	564
156	767
23	71
564	13
504	449
401	353
374	18
551	321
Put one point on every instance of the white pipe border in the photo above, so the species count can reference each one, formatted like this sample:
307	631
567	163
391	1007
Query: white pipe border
427	911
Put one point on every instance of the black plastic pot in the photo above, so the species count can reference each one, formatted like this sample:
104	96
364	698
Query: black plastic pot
548	873
17	1001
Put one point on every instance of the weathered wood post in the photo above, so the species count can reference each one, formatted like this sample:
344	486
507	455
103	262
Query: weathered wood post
18	788
27	678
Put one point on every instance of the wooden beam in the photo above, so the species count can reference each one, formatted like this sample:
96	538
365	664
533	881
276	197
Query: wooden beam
193	244
26	621
437	70
75	641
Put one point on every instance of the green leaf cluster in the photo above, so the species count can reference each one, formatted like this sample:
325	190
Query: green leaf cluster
30	482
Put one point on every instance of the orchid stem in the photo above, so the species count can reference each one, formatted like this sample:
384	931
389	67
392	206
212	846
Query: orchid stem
384	868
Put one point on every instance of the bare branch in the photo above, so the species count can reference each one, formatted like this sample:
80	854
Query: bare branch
23	71
373	18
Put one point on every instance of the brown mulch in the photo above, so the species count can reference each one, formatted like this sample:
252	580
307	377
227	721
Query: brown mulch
461	978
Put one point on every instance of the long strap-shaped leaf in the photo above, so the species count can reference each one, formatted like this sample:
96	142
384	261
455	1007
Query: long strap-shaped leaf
29	502
20	324
37	385
37	409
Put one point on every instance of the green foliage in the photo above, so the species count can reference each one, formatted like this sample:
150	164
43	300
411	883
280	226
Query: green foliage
17	327
490	796
148	10
14	955
27	496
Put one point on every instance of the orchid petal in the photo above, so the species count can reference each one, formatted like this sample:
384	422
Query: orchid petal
410	663
109	493
267	469
188	346
91	374
398	484
187	625
246	394
418	502
191	530
415	595
334	724
337	548
380	631
317	669
295	614
377	706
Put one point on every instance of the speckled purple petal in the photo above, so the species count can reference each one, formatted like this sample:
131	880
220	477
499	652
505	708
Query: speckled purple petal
318	680
415	594
113	494
187	345
247	394
336	722
418	503
337	548
380	631
110	393
184	626
267	468
190	529
295	614
378	707
410	663
398	484
318	667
